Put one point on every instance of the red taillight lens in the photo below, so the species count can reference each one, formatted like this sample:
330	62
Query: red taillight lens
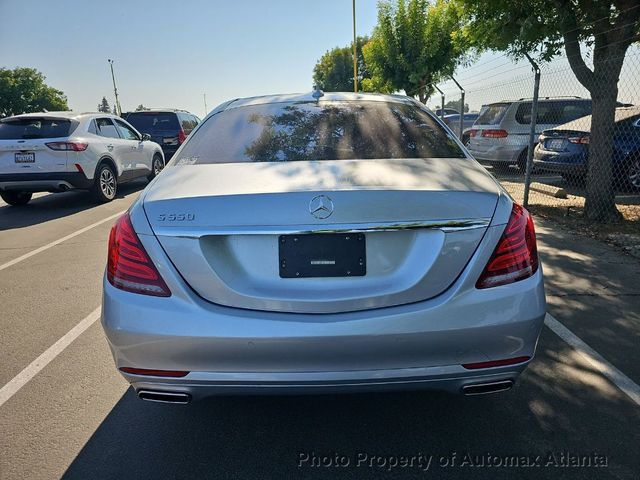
495	133
129	267
579	140
73	146
496	363
181	137
154	373
516	255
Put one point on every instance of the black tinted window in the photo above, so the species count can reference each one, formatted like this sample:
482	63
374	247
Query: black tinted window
151	122
286	132
106	128
188	122
492	114
553	113
35	128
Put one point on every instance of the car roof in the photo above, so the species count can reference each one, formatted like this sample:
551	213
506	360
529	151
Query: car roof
583	124
326	97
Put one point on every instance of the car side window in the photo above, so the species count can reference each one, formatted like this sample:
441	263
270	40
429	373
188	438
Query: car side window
106	128
187	123
92	127
126	131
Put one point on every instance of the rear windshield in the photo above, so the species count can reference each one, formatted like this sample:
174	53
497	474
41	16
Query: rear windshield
150	122
492	114
289	132
26	128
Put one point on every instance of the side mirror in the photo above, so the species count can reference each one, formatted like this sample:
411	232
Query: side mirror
146	137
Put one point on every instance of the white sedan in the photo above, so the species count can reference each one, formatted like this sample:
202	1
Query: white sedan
60	151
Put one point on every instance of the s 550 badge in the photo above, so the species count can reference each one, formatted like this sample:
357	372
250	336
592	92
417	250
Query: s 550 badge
176	217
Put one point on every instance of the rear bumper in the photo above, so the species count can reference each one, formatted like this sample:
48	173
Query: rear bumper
497	153
574	164
234	351
44	182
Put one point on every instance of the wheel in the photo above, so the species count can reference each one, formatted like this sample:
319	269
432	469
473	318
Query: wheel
16	198
632	174
522	161
105	185
157	164
573	179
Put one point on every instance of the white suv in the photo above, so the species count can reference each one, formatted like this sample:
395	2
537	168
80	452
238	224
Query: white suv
60	151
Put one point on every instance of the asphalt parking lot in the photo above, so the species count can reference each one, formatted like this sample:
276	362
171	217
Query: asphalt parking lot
66	413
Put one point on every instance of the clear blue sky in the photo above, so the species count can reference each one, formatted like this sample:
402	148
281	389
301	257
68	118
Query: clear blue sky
169	52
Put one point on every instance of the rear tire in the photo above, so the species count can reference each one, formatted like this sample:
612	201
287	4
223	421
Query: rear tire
574	179
522	160
632	174
16	199
157	164
105	184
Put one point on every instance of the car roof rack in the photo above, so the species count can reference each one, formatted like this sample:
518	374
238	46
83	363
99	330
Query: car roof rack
553	97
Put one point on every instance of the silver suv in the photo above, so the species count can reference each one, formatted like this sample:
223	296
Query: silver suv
500	135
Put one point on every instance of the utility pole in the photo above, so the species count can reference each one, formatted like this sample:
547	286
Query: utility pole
355	58
206	110
115	89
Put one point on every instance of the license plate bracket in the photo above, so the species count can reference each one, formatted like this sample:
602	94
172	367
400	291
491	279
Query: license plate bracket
322	255
24	157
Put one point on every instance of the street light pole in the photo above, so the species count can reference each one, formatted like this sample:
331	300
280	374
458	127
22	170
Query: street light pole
205	104
115	90
355	60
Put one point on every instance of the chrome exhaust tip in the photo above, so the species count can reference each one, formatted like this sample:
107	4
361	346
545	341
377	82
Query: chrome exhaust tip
164	397
485	388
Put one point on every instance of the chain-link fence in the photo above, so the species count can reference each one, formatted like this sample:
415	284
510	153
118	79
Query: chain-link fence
504	118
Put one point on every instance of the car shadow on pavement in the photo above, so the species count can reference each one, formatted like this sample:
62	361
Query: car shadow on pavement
559	405
50	207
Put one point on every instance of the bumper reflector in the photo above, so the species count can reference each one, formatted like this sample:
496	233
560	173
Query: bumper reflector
495	363
154	373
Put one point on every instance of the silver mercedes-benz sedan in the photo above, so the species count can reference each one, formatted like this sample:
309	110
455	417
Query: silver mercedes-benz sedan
322	243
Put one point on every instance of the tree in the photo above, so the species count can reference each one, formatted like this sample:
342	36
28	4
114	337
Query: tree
334	71
140	108
456	105
545	27
23	90
103	106
415	44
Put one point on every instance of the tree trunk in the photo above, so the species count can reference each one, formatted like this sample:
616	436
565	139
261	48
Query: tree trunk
600	200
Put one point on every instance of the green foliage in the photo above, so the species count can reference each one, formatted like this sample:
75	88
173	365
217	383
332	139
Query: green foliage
140	108
334	71
456	104
23	90
103	106
415	45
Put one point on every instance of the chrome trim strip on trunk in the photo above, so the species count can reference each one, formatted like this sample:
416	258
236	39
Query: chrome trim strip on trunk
444	225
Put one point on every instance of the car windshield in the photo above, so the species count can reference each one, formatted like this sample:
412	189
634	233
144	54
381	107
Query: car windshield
150	122
287	132
29	128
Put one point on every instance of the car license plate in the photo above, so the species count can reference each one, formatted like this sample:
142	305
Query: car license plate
322	255
555	144
25	157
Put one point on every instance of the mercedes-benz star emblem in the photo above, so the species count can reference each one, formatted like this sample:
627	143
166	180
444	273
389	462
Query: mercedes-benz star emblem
321	207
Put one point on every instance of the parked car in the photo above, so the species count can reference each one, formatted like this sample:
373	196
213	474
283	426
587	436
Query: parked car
500	135
322	243
447	111
168	128
565	149
453	122
60	151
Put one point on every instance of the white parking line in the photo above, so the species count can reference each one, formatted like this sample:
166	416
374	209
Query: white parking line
596	360
56	242
20	380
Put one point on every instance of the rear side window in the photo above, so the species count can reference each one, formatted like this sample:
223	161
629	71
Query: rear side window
106	128
289	132
492	114
553	113
36	128
188	122
152	122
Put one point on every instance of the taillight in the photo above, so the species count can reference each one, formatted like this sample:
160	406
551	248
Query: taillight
516	255
129	267
181	136
73	146
491	133
494	363
154	373
579	140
